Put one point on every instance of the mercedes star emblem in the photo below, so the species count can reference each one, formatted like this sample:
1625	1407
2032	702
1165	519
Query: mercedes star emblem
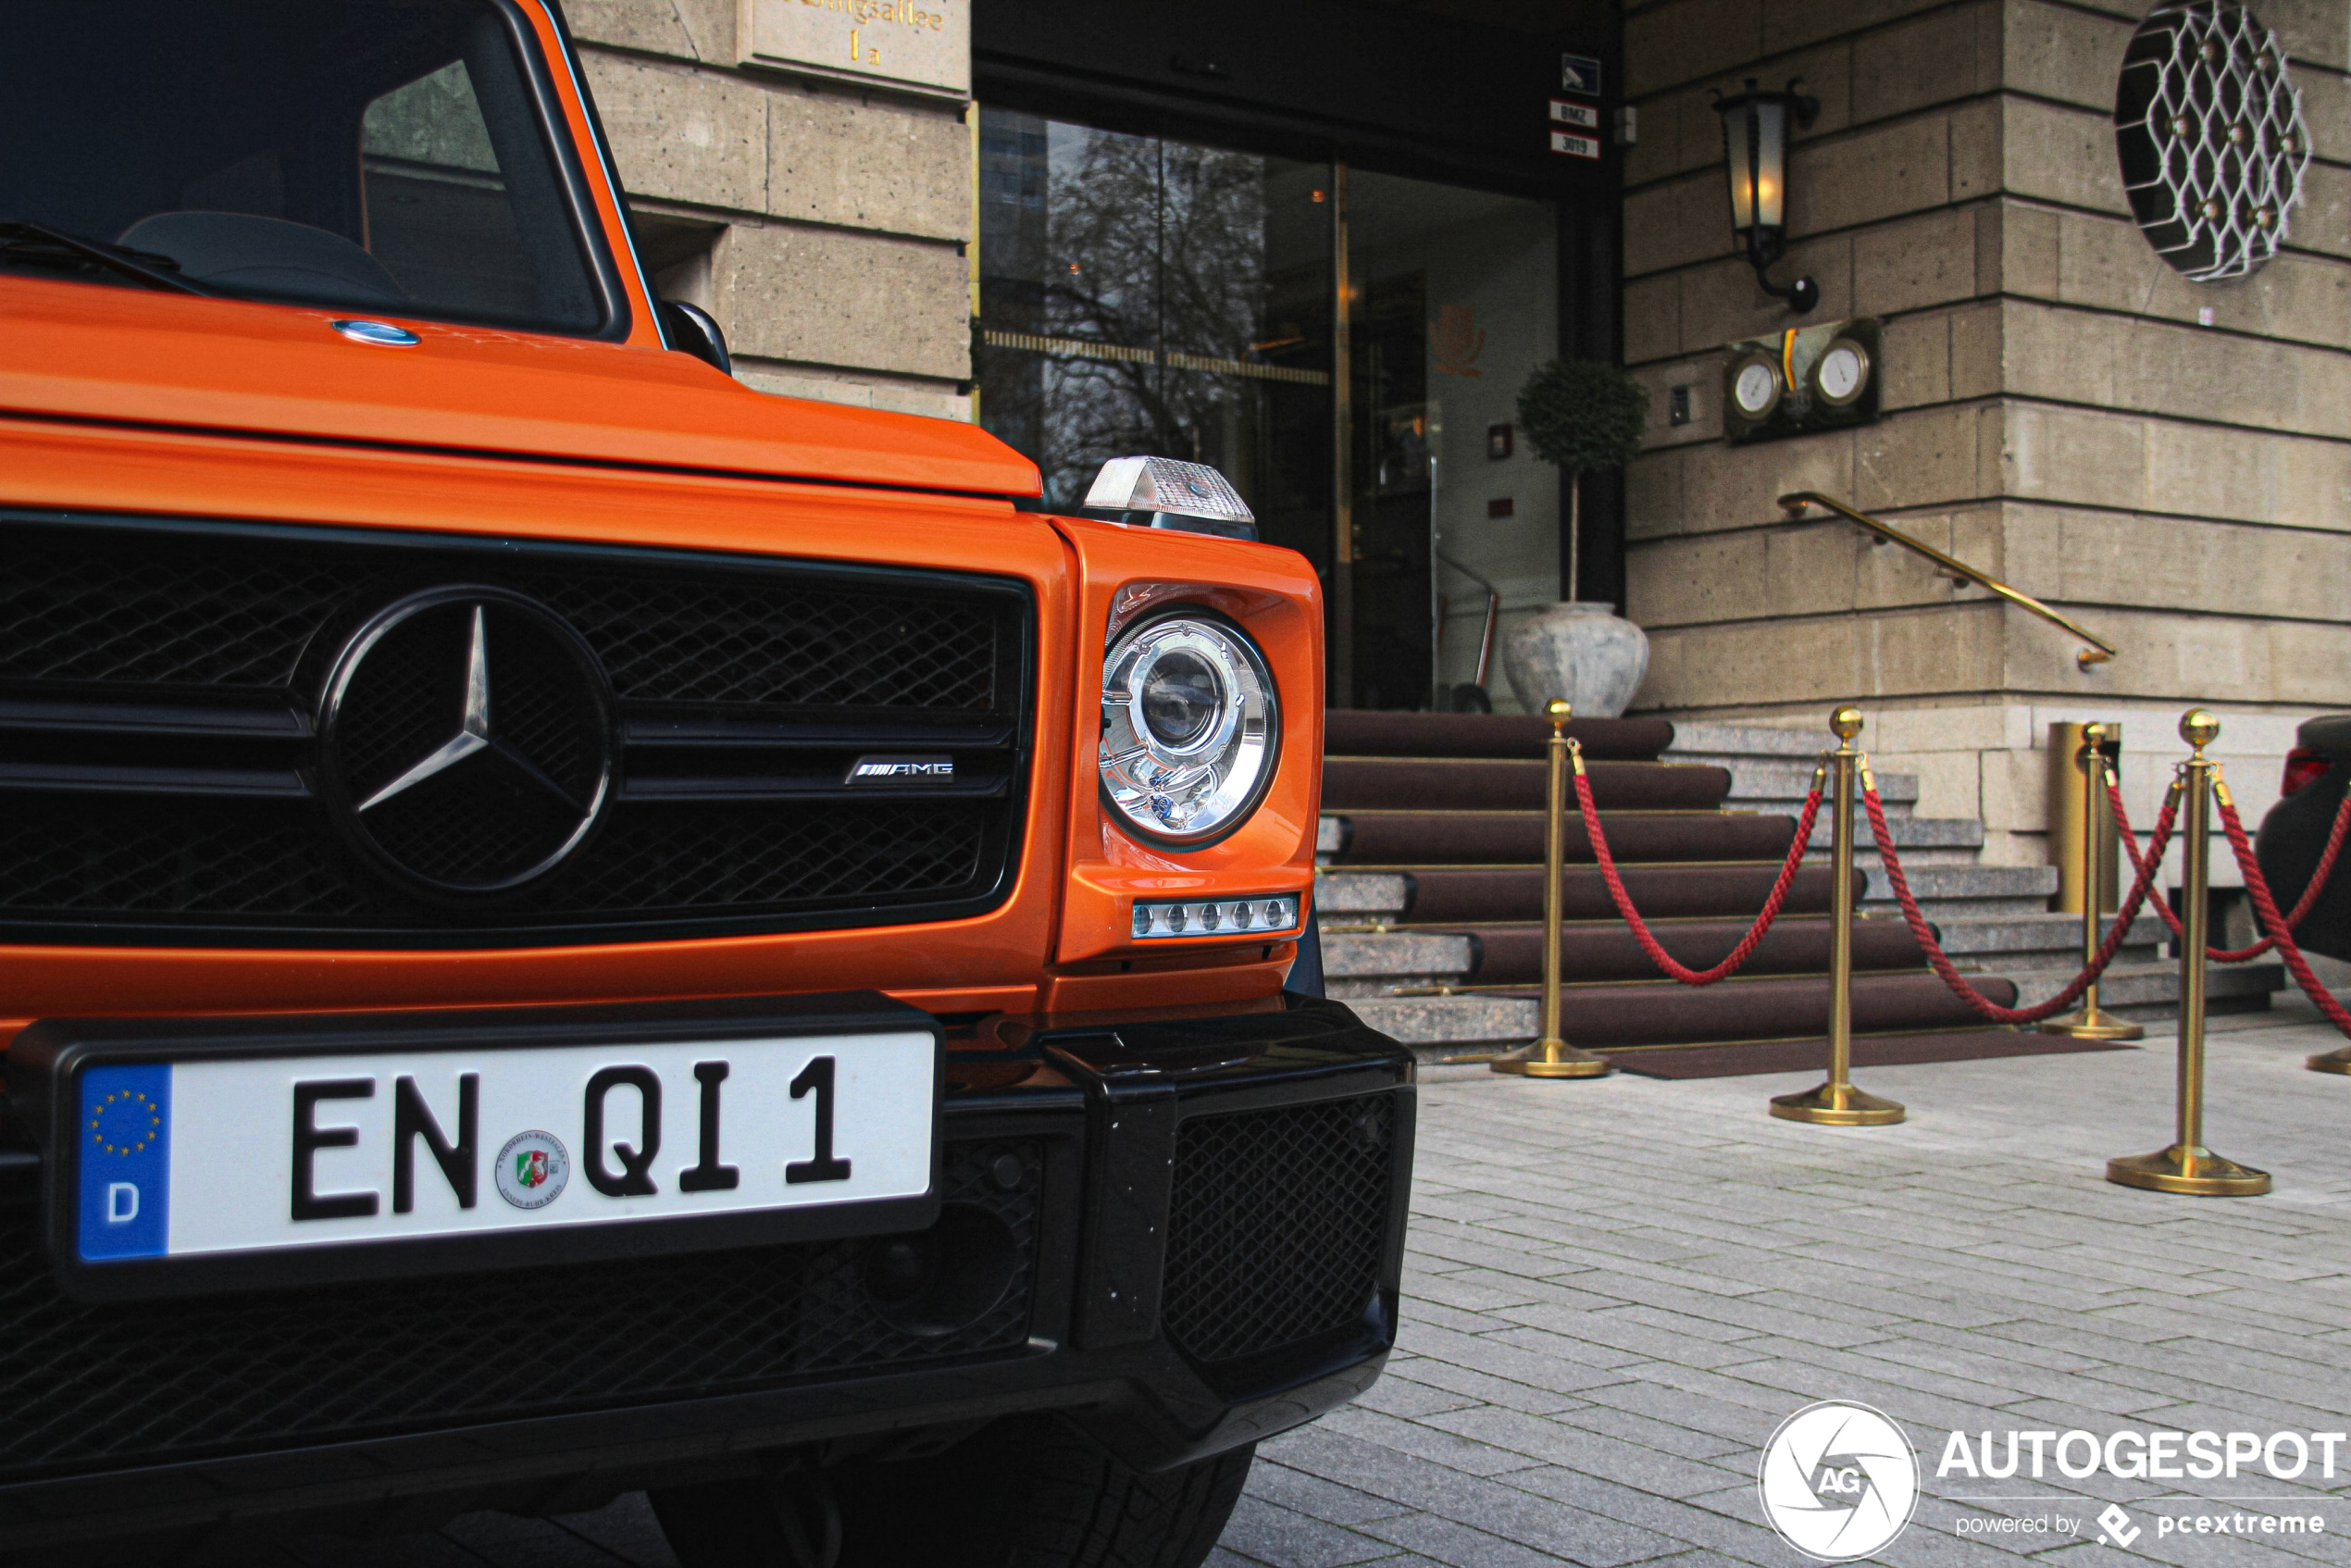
466	739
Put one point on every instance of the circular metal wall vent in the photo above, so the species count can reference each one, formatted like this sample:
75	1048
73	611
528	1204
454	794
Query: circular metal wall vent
2209	130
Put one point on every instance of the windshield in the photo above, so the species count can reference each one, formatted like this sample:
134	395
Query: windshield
377	154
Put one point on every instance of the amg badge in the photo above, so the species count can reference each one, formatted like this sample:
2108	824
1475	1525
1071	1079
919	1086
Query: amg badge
874	769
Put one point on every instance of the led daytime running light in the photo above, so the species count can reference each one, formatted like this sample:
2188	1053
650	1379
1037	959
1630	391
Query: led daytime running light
1219	917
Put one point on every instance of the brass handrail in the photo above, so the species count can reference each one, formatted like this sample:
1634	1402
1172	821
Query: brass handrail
2099	648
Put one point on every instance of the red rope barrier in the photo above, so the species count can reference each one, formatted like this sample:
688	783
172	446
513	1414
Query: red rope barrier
2264	905
1984	1005
2145	865
2294	918
1642	934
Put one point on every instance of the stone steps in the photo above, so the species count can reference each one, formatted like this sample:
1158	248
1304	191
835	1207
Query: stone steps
1446	900
1366	964
1454	895
2151	989
1511	784
1593	952
1780	790
2029	937
1343	898
1921	841
1662	1012
1951	892
1453	1020
1516	837
1771	766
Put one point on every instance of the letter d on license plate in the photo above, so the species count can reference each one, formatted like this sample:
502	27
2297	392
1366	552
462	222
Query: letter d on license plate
235	1154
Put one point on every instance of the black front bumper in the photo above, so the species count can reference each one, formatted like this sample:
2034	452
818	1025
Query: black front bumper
1209	1218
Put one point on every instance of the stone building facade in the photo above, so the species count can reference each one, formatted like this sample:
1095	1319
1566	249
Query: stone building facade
825	223
2167	461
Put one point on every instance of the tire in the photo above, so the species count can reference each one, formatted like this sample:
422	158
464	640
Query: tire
1025	1493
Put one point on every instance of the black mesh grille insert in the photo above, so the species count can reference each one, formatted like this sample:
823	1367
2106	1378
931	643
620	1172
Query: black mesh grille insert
745	688
71	609
1278	1221
699	642
85	1388
240	610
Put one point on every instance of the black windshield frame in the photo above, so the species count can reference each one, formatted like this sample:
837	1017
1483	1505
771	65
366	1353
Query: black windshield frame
571	210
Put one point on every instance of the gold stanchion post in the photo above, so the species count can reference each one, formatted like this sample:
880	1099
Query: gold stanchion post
2188	1166
2089	1022
1553	1057
1836	1102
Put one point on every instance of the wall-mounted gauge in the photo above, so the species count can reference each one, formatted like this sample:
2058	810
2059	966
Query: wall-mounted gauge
1756	387
1802	380
1842	373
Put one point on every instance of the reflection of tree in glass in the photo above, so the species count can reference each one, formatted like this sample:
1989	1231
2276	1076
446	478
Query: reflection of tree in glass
1150	244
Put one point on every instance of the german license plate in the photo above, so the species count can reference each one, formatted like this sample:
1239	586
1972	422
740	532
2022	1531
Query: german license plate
246	1157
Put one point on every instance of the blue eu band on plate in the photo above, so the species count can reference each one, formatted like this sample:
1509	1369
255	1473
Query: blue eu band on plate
125	1162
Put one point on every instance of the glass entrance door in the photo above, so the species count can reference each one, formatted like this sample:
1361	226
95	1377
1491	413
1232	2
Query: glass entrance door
1139	296
1451	297
1345	346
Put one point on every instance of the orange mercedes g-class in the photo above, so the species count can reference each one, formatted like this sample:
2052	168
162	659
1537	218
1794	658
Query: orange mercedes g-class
573	927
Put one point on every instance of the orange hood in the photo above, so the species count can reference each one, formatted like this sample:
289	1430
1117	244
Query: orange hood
94	352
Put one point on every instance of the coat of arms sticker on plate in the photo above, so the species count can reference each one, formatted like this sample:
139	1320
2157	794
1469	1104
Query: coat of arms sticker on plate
532	1169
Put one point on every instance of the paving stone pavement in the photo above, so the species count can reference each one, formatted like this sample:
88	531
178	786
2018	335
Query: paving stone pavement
1617	1290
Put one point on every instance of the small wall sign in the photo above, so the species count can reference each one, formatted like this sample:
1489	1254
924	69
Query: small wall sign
1567	111
1575	145
914	45
1580	73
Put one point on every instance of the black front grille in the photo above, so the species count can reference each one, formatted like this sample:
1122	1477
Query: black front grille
89	1387
162	780
1278	1224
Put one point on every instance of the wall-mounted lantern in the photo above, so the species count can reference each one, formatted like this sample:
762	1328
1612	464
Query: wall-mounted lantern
1755	137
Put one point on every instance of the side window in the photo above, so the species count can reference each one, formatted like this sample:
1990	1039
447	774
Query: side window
439	218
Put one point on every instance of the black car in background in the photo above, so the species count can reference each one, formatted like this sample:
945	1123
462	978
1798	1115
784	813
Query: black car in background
2295	833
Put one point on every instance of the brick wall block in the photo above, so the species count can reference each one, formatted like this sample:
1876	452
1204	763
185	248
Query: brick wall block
834	157
1937	57
1915	263
819	296
1877	172
2059	51
2061	154
684	135
1691	39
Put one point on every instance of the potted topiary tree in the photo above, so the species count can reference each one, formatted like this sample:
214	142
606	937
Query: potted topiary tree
1580	414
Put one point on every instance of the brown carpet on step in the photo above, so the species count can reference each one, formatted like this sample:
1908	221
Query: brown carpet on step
1367	732
1812	1056
1767	1007
1484	784
1450	838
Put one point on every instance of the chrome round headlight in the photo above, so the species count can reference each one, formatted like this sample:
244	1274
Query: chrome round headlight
1189	728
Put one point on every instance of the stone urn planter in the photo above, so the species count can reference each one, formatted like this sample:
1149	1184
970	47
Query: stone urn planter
1581	650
